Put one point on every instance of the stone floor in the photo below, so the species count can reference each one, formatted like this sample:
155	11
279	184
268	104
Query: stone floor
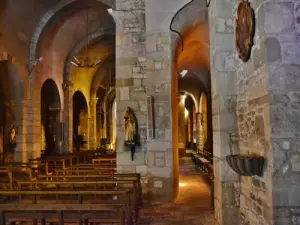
192	207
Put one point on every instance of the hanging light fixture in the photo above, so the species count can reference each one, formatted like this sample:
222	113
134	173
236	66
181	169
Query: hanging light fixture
86	62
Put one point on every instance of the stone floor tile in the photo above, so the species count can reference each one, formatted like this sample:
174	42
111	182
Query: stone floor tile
192	206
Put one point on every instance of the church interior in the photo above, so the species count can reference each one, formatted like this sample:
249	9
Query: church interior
149	112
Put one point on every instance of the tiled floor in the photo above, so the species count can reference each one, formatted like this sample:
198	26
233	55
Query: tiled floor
192	207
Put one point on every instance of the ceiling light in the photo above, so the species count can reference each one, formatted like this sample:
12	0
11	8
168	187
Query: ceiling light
85	62
183	73
74	63
97	62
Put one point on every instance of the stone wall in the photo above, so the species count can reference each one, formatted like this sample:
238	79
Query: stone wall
253	126
281	26
268	115
223	95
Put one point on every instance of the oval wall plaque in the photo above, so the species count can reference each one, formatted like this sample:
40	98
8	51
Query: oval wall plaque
244	30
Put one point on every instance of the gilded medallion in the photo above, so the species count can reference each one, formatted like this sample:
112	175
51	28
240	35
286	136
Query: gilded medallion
244	30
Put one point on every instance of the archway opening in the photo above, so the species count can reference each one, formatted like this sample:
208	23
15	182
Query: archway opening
50	118
80	121
191	77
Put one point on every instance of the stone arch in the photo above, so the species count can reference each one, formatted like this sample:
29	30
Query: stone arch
93	38
46	17
190	15
80	125
59	89
194	99
50	117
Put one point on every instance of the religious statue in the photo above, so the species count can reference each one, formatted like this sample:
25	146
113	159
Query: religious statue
9	155
12	136
130	126
130	131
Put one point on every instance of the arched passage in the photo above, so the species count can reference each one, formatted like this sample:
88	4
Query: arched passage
80	120
194	58
50	118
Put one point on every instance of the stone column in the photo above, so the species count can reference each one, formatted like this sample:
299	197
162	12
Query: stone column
92	124
21	150
223	84
279	27
181	123
199	132
68	118
130	71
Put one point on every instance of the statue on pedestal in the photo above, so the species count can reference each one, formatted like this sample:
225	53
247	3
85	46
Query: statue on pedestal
130	131
130	124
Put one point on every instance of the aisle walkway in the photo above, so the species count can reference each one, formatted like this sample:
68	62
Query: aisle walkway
192	207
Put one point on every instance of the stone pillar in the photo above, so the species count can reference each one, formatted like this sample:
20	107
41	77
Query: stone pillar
181	123
223	84
21	150
130	71
199	132
68	118
92	125
278	24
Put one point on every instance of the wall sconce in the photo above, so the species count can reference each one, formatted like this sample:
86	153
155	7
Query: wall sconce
112	11
35	62
207	3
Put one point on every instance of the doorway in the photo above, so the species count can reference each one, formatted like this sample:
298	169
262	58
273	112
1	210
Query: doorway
50	118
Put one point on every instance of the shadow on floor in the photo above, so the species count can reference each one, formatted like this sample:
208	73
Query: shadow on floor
192	206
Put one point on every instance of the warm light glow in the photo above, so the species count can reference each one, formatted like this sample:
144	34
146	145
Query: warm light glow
186	113
183	73
110	11
98	61
182	184
75	64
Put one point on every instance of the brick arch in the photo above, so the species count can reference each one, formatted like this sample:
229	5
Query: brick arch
46	17
93	37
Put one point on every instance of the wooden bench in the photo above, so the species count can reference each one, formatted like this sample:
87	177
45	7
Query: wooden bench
80	201
105	161
98	177
204	161
85	185
85	172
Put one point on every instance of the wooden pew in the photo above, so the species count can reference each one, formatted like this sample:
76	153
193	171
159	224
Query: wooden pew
104	161
132	185
6	181
81	201
85	171
96	177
